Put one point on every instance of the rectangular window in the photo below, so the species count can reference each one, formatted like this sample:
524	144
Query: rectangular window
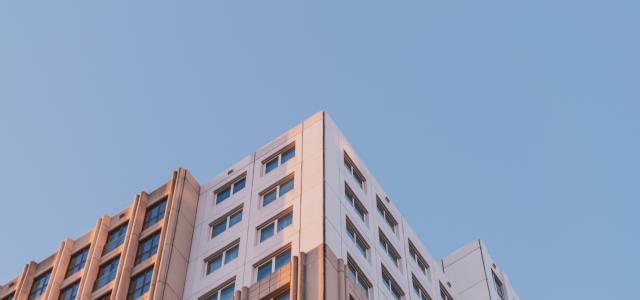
419	289
140	284
386	214
275	225
106	273
154	213
283	296
227	221
420	261
444	293
115	238
222	257
224	292
278	159
147	247
355	202
231	188
273	264
357	238
391	284
77	261
388	248
106	296
499	286
39	286
70	292
354	171
280	189
355	273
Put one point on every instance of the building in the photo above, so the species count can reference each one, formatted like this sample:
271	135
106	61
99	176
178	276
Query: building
300	218
137	251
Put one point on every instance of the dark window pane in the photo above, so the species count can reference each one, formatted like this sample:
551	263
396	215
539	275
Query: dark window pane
235	218
283	259
214	264
219	228
154	214
140	284
39	286
227	293
239	185
289	154
115	238
266	232
269	197
271	165
286	187
231	254
285	221
77	262
70	292
223	195
106	273
264	270
284	296
148	247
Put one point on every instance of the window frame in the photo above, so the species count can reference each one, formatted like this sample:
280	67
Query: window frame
278	157
231	187
75	266
276	189
100	283
386	214
144	254
357	238
216	293
38	288
444	293
225	219
360	279
388	247
273	222
146	285
418	258
419	289
356	204
391	284
73	288
354	171
122	234
222	255
150	218
272	260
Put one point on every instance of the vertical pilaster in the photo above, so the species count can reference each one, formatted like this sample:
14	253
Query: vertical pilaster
302	277
342	294
59	269
90	271
26	280
293	283
130	247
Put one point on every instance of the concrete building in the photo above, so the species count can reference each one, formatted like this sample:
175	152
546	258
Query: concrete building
300	218
140	251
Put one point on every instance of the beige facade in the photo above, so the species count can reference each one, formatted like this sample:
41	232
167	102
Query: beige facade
167	266
300	218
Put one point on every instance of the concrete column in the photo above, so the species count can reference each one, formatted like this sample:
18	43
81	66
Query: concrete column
25	282
59	270
130	247
90	271
342	294
245	293
301	277
293	283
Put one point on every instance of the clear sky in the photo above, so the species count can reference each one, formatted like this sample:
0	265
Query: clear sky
517	121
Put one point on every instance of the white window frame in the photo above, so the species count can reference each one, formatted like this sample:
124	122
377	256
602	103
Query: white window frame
278	157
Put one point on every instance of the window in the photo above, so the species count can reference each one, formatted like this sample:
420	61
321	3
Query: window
224	256
419	289
10	297
278	224
39	286
279	190
272	264
115	238
499	286
140	284
391	284
154	213
70	292
357	238
225	222
444	293
386	214
77	261
283	296
147	247
351	167
422	263
388	248
225	292
279	159
106	273
232	188
355	202
356	274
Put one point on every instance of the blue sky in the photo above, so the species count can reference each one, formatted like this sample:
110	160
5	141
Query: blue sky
516	121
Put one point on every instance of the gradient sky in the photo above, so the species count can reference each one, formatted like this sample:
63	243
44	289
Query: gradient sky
517	121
